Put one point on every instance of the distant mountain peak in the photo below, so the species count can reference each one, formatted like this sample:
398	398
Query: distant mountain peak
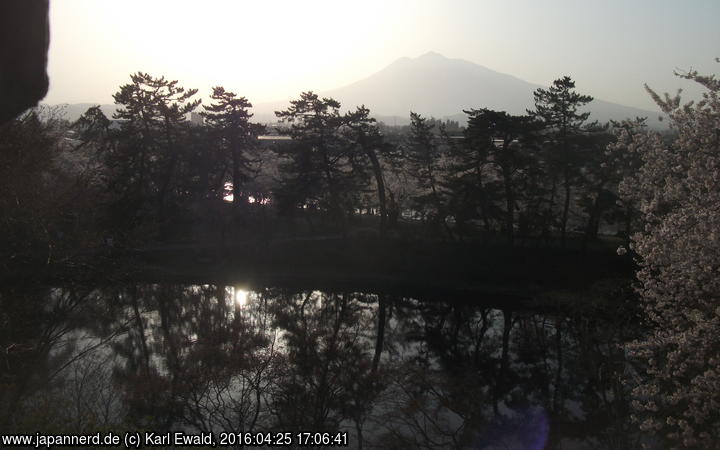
432	55
435	85
401	60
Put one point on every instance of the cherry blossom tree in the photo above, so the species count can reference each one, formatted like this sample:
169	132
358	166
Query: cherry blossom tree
677	189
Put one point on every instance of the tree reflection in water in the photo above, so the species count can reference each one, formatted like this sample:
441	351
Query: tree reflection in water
393	372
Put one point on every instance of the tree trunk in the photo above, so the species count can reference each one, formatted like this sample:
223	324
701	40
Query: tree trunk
593	225
377	170
358	428
509	205
335	207
237	200
628	225
145	353
557	393
483	199
169	172
551	210
504	359
380	340
393	211
566	207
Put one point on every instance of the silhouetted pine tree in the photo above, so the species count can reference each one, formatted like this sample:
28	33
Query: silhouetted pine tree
152	111
424	162
557	108
318	168
370	146
500	143
229	119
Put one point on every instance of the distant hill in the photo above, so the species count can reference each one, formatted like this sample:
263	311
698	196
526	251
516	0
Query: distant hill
433	85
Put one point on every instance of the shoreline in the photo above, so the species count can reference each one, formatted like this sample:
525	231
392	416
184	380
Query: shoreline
464	272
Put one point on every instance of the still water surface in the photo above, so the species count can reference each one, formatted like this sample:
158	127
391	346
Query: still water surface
392	372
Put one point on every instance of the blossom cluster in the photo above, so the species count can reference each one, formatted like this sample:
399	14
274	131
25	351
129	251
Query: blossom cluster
677	192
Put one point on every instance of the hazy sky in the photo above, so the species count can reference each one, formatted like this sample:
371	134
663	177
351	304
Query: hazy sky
272	50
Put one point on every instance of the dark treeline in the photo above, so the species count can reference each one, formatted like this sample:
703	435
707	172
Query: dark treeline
150	176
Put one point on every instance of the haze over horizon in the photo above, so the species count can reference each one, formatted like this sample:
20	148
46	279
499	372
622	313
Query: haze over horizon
267	52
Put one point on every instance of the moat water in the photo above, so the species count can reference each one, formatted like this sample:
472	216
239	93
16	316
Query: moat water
390	371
